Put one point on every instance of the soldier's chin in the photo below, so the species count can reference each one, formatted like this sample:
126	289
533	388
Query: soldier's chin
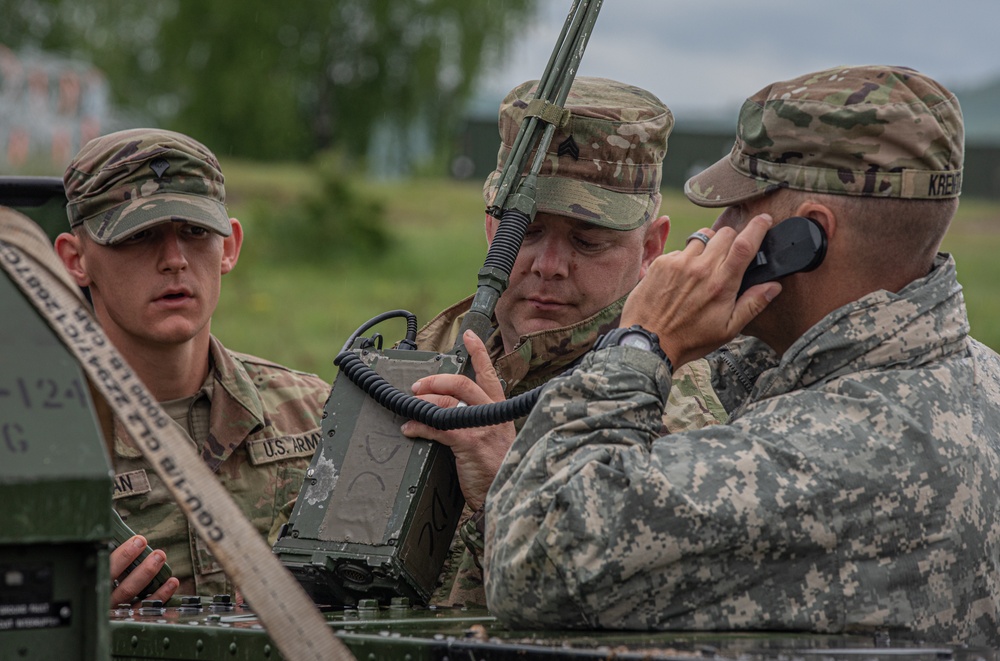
539	324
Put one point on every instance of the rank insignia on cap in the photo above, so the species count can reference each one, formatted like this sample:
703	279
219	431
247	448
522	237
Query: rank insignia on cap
159	166
569	146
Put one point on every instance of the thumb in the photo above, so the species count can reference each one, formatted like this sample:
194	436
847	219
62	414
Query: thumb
486	375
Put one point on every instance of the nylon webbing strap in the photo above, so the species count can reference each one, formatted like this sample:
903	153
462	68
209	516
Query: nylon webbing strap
290	617
547	112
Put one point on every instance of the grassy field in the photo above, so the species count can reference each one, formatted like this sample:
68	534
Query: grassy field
300	314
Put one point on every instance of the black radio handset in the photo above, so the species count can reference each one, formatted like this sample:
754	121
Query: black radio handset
794	245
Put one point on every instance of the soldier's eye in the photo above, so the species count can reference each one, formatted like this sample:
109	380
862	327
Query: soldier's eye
138	237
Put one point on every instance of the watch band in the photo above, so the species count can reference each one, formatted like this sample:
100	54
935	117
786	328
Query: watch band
634	336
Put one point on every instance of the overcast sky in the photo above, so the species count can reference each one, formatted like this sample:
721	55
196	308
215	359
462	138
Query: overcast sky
698	55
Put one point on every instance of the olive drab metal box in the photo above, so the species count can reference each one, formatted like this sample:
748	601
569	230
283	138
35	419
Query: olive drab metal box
377	511
55	496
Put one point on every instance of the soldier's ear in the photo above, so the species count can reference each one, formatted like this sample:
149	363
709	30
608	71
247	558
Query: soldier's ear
70	251
653	241
822	214
231	246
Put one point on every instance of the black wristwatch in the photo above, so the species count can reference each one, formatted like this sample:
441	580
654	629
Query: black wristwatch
634	336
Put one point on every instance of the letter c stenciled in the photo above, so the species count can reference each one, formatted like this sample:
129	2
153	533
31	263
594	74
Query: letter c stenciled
13	438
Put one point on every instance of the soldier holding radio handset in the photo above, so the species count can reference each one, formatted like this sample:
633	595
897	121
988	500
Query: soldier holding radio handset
856	487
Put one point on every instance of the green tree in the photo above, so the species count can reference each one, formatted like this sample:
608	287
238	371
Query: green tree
285	79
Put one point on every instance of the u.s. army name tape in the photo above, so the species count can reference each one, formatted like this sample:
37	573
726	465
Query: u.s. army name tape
291	619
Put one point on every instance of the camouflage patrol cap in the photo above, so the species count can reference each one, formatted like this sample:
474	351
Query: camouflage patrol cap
604	166
877	131
127	181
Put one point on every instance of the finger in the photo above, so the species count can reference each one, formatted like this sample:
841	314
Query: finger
453	388
414	429
452	385
123	556
133	586
486	374
752	303
166	590
698	241
142	576
745	246
444	401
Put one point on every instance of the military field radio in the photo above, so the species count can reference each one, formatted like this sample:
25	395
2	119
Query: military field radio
378	511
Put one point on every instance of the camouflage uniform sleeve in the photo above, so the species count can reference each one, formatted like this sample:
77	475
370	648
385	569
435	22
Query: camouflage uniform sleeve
595	521
540	498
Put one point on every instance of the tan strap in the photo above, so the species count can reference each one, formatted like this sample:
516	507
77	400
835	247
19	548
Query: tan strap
292	620
547	112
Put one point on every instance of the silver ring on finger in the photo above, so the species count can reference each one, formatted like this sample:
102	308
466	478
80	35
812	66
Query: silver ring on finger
700	236
460	404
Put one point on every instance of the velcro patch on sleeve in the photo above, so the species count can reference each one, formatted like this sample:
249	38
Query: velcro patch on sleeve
132	483
267	450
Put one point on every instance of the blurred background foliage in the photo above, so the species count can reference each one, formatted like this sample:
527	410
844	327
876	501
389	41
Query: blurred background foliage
332	219
281	80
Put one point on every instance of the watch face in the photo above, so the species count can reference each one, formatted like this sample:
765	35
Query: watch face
637	340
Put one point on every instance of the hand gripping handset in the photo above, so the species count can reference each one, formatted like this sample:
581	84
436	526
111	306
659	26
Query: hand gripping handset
795	245
121	534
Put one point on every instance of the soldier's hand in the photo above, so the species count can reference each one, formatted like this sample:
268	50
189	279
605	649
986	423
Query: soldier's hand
688	297
478	451
125	589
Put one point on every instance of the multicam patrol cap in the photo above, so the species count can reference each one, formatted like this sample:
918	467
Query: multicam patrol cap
877	131
605	165
127	181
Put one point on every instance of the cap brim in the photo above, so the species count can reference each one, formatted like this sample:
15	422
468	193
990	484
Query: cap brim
134	216
586	202
721	185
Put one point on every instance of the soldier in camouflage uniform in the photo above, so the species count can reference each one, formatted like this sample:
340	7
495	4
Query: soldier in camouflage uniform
151	239
595	233
857	487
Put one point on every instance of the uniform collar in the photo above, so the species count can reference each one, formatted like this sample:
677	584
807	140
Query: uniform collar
538	356
237	411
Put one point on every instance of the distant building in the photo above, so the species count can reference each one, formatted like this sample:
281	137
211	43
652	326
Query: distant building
49	108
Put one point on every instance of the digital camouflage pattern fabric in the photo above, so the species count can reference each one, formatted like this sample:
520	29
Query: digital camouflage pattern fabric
538	358
858	488
872	130
127	181
736	366
263	427
604	163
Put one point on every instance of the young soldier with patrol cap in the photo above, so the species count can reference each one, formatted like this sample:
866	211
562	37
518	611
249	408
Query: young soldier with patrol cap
858	486
595	234
151	240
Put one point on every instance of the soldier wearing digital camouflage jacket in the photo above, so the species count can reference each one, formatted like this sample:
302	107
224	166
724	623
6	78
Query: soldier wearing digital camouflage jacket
151	240
596	231
857	488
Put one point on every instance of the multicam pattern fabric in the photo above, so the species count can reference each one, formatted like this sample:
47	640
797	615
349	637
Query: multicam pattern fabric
127	181
538	358
264	427
858	488
604	166
874	130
